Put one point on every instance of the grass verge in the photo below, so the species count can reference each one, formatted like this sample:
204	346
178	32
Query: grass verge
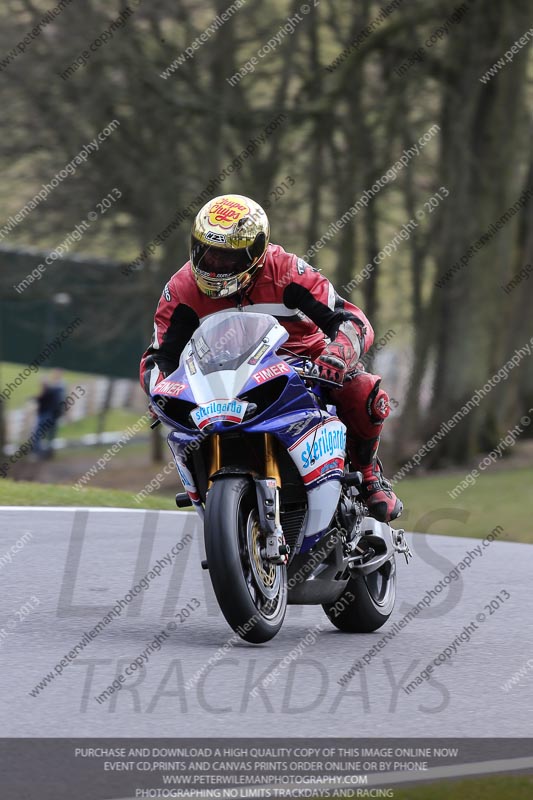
26	493
116	419
500	498
29	386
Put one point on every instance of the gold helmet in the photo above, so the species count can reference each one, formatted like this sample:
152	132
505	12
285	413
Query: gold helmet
229	240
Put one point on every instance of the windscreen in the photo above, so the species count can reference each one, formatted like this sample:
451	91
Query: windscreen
225	340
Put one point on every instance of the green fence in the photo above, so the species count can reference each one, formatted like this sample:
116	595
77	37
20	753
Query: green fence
86	313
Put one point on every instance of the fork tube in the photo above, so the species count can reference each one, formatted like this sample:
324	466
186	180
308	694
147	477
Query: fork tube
215	454
271	463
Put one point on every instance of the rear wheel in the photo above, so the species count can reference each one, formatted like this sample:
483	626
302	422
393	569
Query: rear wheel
251	592
367	601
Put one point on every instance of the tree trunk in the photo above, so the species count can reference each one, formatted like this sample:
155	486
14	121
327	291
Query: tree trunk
482	135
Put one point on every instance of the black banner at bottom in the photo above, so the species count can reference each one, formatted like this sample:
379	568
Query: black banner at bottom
116	769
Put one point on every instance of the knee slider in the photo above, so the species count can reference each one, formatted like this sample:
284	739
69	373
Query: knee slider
363	405
365	390
378	405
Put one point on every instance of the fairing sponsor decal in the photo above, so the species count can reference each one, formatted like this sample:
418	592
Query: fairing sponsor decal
191	365
172	388
258	353
264	375
219	411
319	454
188	483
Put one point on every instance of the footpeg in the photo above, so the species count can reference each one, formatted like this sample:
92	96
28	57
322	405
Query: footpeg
400	543
352	479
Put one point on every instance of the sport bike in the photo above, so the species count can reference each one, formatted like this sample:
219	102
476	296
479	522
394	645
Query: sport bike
262	458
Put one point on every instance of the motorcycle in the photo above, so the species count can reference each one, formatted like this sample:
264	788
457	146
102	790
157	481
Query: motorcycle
262	458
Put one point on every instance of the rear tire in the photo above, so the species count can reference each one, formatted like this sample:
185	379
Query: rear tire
366	603
251	593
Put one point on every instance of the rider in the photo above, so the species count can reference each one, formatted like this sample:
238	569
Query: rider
233	264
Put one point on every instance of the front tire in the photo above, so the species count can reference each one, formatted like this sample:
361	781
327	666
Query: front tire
251	593
367	601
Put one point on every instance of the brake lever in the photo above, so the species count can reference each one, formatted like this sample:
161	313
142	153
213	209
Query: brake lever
320	381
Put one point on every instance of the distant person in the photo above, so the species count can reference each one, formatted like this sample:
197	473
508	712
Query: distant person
233	266
49	410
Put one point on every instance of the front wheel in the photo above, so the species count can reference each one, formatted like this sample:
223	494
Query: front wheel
367	601
251	592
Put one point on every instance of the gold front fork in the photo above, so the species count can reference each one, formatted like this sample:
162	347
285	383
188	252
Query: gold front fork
215	464
271	463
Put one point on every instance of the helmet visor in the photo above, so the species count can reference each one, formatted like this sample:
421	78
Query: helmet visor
218	263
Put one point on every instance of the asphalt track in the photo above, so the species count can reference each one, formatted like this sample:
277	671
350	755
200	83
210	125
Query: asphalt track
79	562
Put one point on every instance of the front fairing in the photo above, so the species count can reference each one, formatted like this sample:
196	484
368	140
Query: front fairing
218	388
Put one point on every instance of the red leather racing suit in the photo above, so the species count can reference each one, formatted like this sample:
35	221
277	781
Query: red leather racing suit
300	297
308	306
